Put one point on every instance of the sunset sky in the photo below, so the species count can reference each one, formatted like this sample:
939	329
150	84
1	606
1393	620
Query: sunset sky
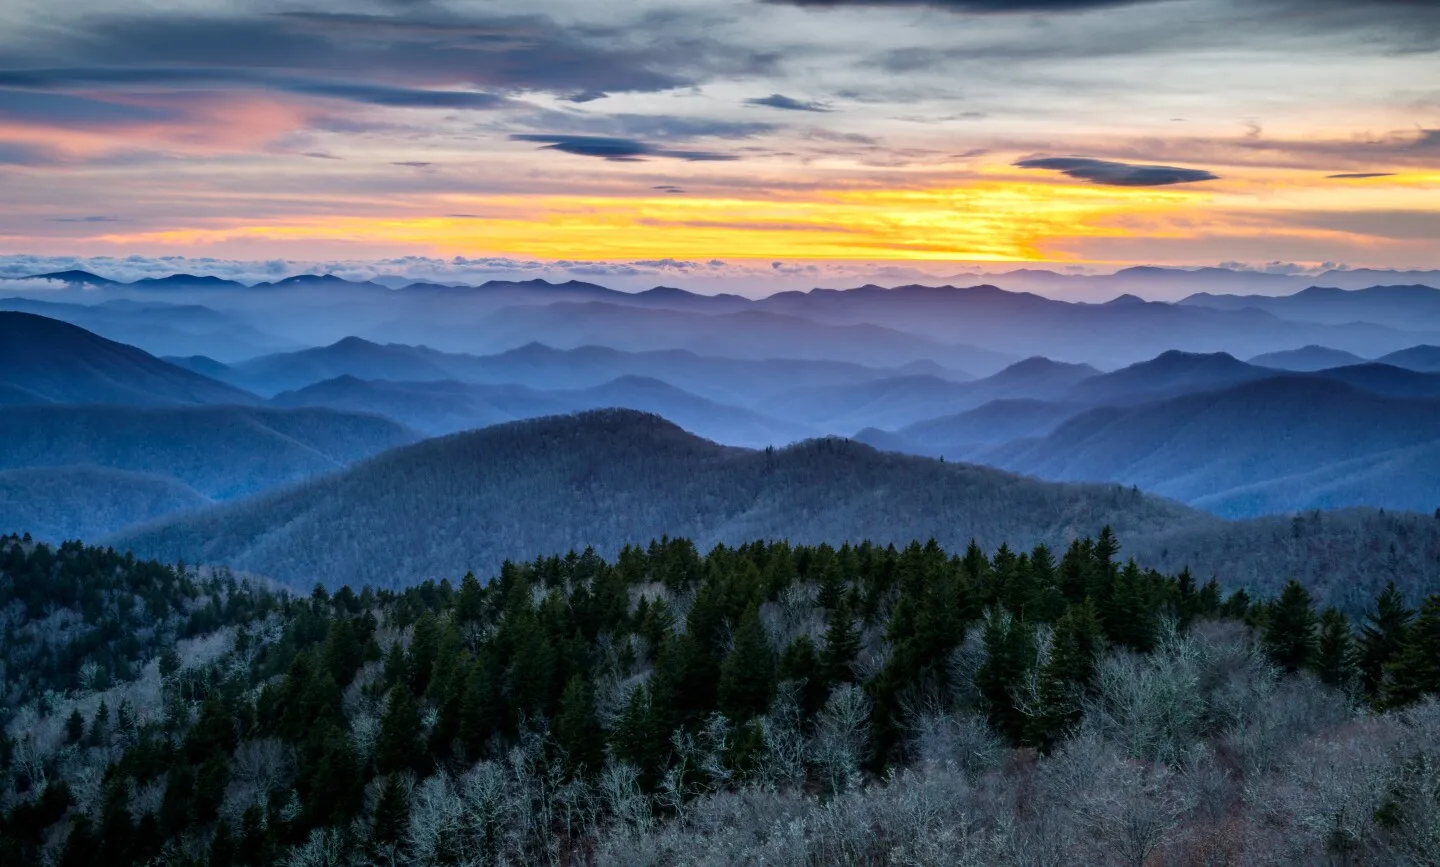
1096	133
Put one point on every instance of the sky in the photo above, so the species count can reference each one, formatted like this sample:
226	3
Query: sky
781	139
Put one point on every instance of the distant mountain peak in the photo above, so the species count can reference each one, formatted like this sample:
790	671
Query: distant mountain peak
1121	300
75	276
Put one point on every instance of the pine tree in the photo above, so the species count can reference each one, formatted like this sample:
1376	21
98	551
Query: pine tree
1075	647
747	676
343	653
577	727
1381	636
75	727
1009	653
1415	671
398	747
1290	631
424	649
392	811
1130	618
842	646
1336	655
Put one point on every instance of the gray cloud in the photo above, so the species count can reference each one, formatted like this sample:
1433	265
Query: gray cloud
66	110
1360	175
615	149
786	103
1115	174
419	48
84	220
413	164
973	7
60	106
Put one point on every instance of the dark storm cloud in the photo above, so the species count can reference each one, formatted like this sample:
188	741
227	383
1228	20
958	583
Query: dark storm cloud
1360	175
59	105
786	103
615	149
1113	174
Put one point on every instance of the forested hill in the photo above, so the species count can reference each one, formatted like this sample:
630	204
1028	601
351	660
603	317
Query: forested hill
610	478
757	704
613	477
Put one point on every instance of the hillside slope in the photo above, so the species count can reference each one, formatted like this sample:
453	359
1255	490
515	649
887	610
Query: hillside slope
59	362
607	478
1207	447
221	452
83	502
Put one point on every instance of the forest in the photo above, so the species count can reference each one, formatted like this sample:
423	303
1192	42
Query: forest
759	703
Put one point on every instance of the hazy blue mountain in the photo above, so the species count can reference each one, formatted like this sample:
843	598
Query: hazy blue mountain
221	452
1422	358
893	403
157	327
1292	436
349	357
59	362
883	403
201	364
447	407
961	436
1307	359
750	334
1168	374
728	380
605	478
1386	379
85	502
1411	308
1106	334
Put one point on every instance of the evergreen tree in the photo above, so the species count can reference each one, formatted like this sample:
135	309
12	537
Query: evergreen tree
1415	671
1076	645
800	663
842	646
75	727
392	811
1009	653
577	728
1382	634
747	676
399	746
1130	618
1336	656
1290	630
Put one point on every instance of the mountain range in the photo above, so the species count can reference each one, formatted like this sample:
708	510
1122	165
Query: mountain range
976	328
607	478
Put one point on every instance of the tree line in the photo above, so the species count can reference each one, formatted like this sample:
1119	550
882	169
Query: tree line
671	706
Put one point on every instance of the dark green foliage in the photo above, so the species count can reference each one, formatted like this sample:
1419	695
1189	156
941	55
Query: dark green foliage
577	730
1336	655
392	812
1290	628
1009	654
532	661
747	677
1415	671
1381	636
1076	646
399	746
